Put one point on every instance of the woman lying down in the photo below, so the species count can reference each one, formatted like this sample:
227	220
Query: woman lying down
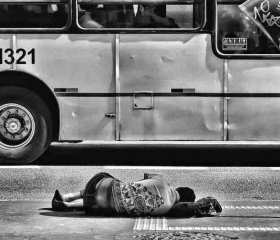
152	196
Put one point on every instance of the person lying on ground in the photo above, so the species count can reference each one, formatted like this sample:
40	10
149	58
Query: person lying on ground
152	196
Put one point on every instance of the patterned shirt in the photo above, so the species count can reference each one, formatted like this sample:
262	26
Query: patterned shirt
151	196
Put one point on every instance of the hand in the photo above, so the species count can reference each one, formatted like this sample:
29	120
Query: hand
208	206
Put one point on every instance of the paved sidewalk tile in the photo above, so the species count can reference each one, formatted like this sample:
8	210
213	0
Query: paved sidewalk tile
239	220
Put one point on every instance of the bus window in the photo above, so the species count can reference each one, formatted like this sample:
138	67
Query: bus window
239	30
188	14
92	16
31	15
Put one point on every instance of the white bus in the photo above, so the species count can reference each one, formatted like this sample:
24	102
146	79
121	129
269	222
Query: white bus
137	72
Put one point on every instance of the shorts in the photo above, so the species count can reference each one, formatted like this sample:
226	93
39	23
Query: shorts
89	193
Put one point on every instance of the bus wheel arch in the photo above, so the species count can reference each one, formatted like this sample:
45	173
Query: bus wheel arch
25	88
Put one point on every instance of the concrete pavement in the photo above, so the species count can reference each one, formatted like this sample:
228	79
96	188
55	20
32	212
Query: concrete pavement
239	220
35	220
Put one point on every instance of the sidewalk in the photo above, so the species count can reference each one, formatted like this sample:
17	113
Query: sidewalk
239	220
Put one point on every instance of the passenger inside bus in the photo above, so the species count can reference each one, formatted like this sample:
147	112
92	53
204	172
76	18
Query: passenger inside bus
120	16
92	16
151	16
109	16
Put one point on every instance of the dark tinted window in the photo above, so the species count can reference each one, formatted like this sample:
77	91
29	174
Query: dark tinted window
187	14
27	15
243	29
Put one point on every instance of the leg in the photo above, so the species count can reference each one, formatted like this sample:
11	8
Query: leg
79	203
67	206
69	197
67	202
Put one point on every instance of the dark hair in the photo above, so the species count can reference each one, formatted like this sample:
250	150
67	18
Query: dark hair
186	194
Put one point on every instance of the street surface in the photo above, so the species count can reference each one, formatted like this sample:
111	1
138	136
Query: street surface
249	195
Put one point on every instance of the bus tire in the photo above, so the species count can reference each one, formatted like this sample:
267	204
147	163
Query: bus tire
25	125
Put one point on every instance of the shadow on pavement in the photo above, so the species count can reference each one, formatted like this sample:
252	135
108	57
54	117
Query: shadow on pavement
86	155
72	214
77	214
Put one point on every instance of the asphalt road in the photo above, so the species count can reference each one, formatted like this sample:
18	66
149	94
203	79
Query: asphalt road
226	183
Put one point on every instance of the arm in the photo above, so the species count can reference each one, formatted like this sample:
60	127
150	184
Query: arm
203	207
182	209
87	22
153	175
164	22
160	20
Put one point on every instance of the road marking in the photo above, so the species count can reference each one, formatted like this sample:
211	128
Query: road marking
274	168
154	168
20	167
251	207
146	224
154	224
24	200
161	224
173	168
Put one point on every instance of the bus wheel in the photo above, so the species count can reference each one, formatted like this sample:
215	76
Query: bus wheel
25	125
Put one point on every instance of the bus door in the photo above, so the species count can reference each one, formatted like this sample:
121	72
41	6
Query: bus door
160	64
248	39
80	65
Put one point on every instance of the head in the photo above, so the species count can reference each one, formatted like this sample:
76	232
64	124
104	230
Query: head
186	194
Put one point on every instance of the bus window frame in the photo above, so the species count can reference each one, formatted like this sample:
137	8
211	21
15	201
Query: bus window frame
140	30
233	56
22	30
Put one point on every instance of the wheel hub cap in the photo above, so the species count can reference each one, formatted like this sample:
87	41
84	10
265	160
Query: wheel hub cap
13	125
17	125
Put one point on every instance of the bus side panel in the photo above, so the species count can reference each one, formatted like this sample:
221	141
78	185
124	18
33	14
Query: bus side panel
173	118
5	43
254	118
84	63
163	62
